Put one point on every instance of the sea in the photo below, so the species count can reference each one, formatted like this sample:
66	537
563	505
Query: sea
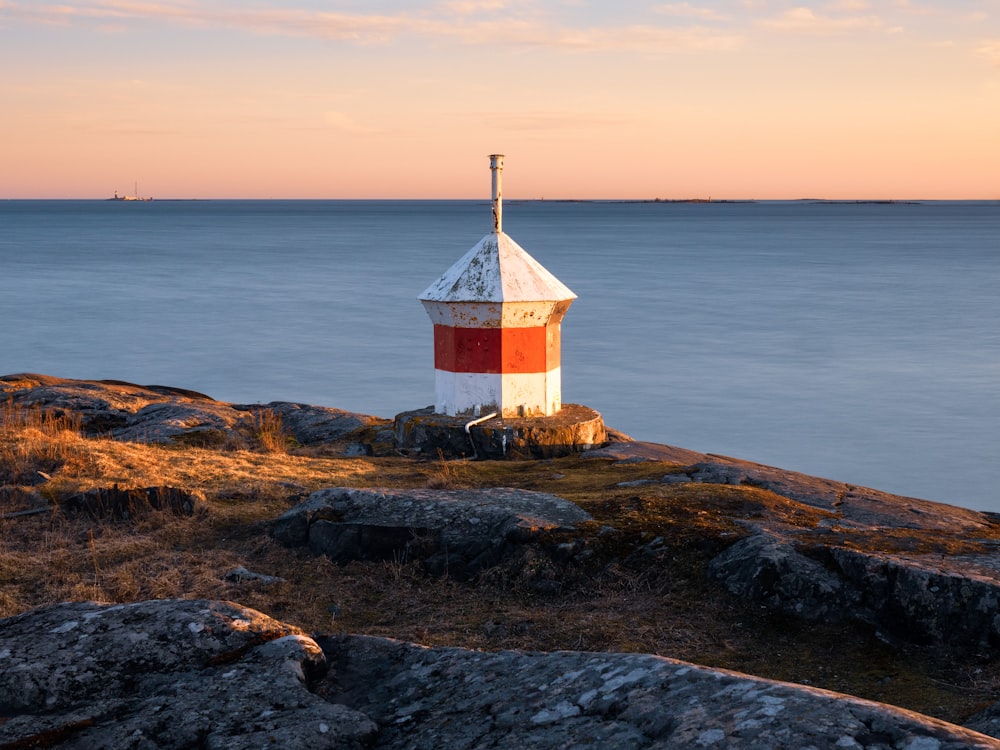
858	341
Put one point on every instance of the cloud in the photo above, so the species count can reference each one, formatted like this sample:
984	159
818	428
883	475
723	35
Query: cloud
849	5
803	19
687	10
636	37
907	6
262	20
345	124
362	28
470	7
558	122
989	51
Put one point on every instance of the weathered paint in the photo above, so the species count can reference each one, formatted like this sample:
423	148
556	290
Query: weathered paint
526	394
497	269
496	171
497	315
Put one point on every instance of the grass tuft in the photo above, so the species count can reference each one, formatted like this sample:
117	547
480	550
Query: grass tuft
264	432
448	474
35	442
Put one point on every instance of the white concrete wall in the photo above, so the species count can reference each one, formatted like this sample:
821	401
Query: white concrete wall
529	395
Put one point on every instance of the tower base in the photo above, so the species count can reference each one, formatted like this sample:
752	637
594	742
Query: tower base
574	429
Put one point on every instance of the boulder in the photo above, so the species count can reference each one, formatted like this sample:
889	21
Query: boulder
769	569
182	674
165	674
908	599
458	532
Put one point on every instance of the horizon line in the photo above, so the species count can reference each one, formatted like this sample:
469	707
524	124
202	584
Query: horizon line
539	199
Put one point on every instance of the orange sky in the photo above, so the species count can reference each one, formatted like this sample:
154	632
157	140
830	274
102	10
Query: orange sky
341	99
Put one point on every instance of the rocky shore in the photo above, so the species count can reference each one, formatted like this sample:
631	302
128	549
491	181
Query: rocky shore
920	577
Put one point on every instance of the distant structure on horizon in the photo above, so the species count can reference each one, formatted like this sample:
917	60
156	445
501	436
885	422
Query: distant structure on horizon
497	315
134	197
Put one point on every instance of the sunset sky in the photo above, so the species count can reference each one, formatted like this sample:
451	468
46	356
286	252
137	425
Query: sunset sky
587	99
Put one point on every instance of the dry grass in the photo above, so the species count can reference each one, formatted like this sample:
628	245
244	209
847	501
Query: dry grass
263	431
612	602
34	442
449	474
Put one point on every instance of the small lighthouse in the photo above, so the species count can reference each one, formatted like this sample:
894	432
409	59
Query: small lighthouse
497	315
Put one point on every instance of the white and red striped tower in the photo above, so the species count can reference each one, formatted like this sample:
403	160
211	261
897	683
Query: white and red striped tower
497	315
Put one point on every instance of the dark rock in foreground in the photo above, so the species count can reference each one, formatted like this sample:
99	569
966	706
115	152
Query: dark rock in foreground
165	674
919	571
183	674
458	532
426	699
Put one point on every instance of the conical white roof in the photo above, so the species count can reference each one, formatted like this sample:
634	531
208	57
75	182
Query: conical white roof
497	269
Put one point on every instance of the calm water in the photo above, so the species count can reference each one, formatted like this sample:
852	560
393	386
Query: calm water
854	341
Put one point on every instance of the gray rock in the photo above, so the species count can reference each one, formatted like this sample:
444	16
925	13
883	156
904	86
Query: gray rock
919	571
633	451
986	721
458	532
160	414
852	505
317	424
771	570
165	674
930	599
215	675
242	575
426	699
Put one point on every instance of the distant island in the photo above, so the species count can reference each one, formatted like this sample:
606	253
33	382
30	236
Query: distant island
135	197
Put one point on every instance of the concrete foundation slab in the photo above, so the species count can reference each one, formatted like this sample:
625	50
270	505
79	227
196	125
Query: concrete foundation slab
574	429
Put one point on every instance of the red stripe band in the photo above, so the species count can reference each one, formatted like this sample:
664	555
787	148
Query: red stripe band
496	350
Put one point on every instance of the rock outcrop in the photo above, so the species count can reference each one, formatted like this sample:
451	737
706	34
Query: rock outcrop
458	532
165	674
161	414
425	699
919	571
183	674
214	674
